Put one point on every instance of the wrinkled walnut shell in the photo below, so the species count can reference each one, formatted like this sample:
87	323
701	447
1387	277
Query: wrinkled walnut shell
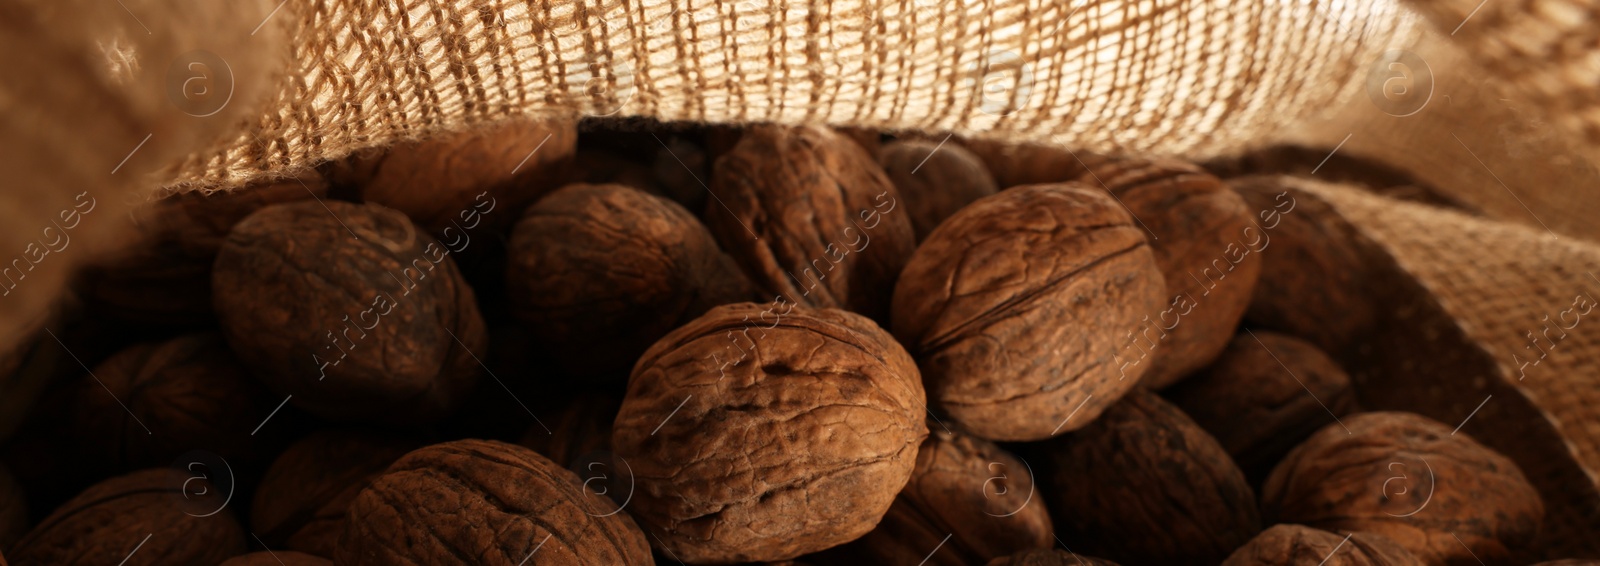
277	558
387	318
494	502
600	272
1298	545
144	510
1049	557
934	180
1410	479
967	502
811	218
1208	248
1265	394
1021	310
301	501
1143	484
798	444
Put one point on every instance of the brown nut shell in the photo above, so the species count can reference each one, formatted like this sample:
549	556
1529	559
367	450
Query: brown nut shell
760	432
483	502
1143	484
1049	557
967	502
1435	491
1299	545
144	511
1021	310
277	558
1265	394
810	217
386	318
935	180
600	272
13	509
1201	234
301	501
1029	164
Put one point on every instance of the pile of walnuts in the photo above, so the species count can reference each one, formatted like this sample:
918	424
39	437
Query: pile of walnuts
598	344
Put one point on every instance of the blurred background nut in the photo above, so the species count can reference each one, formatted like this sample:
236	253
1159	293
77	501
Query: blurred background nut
758	441
967	502
1027	164
188	393
497	503
811	217
1143	484
1021	310
301	501
600	272
1410	479
144	510
1265	394
277	558
1049	557
1298	545
356	294
13	510
935	180
1208	247
579	427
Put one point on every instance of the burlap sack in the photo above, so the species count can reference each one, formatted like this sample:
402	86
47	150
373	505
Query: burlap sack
108	100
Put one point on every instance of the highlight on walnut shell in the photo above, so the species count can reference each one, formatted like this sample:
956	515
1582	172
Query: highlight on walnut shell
157	511
1143	484
761	432
303	497
935	179
351	310
1208	247
967	502
600	272
495	502
1436	492
1299	545
1049	557
810	217
1021	310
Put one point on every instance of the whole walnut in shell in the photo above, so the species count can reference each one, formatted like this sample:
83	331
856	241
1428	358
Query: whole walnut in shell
935	180
1021	309
13	509
277	558
1265	394
188	393
967	502
1049	557
351	309
811	218
496	503
761	433
153	511
1435	491
1298	545
438	181
1208	248
1143	484
301	501
1029	164
600	272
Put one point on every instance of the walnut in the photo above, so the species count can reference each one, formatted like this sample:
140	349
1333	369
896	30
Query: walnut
761	433
1410	479
301	501
188	393
967	502
1208	247
497	503
1027	164
682	168
1049	557
145	510
935	180
1021	310
13	509
1265	394
1570	562
1143	484
438	181
350	309
811	218
1297	545
277	558
581	429
600	272
1313	281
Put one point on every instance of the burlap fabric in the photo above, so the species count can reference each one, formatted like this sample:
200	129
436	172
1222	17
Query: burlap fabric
97	98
